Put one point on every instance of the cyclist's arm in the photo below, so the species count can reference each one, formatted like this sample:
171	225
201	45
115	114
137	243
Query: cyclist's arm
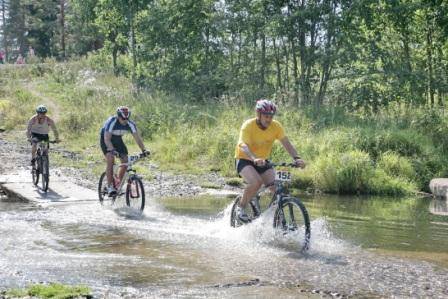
245	139
53	127
139	140
289	147
245	148
108	141
28	129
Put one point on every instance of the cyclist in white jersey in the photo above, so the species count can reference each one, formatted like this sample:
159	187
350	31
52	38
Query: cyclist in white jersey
111	142
38	128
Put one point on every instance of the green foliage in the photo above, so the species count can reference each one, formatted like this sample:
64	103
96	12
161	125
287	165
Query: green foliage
75	122
53	290
383	184
403	142
237	182
62	75
396	166
348	172
395	151
17	108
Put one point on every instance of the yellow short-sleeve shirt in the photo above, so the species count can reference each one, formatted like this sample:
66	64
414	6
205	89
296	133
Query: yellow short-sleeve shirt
259	141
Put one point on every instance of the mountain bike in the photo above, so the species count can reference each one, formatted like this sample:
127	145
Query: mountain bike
134	192
41	166
290	216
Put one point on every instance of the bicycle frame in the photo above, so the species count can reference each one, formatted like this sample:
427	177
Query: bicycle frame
42	147
280	189
130	172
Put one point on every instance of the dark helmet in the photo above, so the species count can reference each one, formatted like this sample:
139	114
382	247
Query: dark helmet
265	107
124	112
41	109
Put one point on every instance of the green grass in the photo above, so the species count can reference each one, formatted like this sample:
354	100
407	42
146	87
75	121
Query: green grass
394	151
237	182
53	290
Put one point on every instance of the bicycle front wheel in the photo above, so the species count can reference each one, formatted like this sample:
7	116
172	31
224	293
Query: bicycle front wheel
250	211
135	194
102	187
291	219
45	169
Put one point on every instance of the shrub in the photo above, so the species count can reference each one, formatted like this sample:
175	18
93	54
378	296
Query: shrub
348	172
396	166
402	142
383	184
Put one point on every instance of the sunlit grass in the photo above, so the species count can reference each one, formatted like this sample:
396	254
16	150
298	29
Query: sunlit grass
53	290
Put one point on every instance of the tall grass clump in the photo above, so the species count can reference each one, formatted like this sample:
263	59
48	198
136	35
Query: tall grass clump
343	173
17	108
396	166
404	142
382	183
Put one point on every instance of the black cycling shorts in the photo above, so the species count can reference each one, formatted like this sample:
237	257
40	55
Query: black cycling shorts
117	143
40	137
241	163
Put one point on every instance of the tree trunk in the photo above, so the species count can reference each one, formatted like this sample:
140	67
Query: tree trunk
22	31
131	29
254	71
5	31
114	60
303	57
286	82
62	3
277	64
294	71
429	63
263	61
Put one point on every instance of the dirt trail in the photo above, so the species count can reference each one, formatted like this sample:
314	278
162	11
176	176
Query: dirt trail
14	157
53	108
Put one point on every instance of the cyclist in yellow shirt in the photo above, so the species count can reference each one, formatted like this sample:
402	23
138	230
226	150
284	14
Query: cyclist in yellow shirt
257	135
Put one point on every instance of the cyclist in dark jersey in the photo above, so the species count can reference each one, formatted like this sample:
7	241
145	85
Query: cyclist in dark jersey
111	142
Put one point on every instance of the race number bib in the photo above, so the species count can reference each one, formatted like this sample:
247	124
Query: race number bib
283	175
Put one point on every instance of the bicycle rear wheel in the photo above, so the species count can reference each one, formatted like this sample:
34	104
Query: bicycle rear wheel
135	194
250	211
102	187
35	172
45	169
292	220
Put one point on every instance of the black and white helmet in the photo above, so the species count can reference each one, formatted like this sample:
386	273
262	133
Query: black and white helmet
124	112
41	109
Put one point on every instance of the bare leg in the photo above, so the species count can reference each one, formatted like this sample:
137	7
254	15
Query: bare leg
254	182
33	150
268	179
122	169
109	168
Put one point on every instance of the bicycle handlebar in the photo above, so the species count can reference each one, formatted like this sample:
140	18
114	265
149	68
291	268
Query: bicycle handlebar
47	141
284	164
132	157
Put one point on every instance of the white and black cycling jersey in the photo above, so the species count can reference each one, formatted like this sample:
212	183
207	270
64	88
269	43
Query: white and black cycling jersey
112	125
